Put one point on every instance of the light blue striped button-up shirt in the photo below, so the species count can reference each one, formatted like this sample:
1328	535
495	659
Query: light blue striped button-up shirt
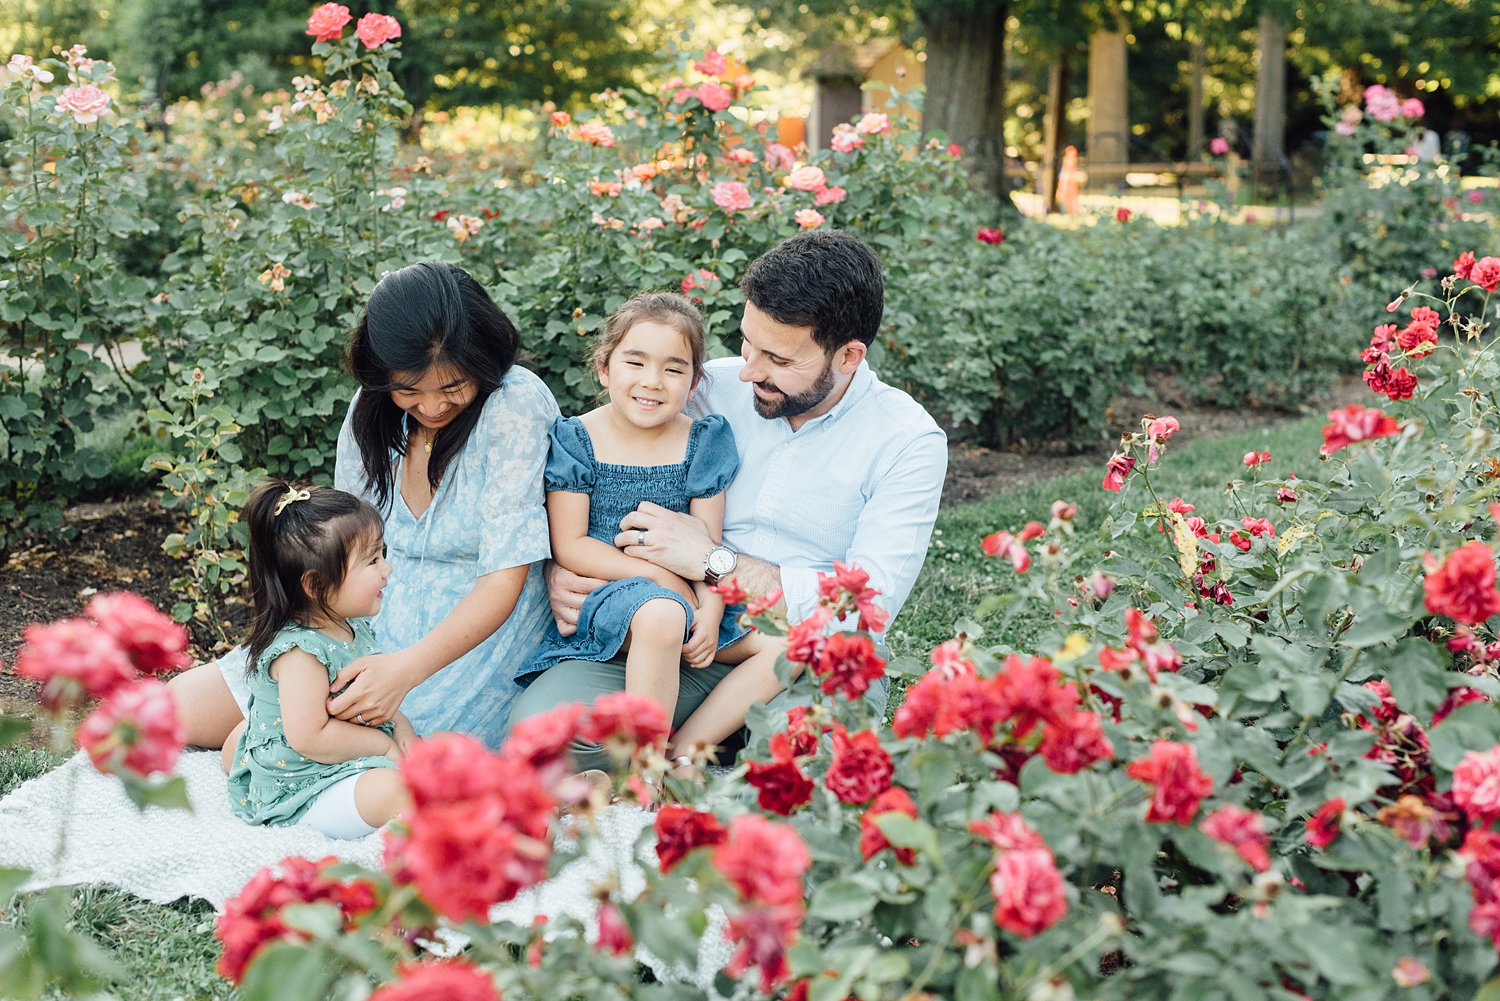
860	484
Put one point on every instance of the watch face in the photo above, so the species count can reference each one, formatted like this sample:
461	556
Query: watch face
721	561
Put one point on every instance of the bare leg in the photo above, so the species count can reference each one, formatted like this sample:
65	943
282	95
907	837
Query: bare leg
652	663
232	745
205	706
379	795
723	712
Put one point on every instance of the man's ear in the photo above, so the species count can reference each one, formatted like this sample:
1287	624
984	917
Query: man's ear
850	355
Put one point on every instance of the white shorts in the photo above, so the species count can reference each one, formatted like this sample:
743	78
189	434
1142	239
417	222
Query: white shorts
334	813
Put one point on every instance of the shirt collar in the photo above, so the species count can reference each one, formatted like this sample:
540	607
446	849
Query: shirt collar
859	385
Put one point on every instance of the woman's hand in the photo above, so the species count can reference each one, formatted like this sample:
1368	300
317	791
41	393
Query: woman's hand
566	591
376	684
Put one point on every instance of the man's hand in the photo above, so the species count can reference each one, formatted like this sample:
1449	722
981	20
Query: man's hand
566	591
703	638
675	542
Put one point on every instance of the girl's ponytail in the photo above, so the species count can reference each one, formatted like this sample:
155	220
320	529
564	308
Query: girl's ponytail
272	605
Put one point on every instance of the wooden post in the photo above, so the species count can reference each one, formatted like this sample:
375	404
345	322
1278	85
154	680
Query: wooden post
1270	103
1109	120
1054	130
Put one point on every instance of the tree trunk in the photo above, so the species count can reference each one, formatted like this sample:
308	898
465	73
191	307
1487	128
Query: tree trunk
965	78
1195	147
1267	152
1109	115
1055	130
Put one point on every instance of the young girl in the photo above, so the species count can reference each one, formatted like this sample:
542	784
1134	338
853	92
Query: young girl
317	571
640	446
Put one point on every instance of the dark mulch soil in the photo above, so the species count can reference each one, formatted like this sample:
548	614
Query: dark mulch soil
117	544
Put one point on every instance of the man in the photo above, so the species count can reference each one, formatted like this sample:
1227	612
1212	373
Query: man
834	465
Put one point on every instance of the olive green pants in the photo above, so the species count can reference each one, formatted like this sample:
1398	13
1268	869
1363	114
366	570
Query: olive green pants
586	680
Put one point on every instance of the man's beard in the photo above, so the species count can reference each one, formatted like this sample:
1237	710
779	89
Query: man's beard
791	406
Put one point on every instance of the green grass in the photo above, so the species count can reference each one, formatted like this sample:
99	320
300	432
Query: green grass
169	952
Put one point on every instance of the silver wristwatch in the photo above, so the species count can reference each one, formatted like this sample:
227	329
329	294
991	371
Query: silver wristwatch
719	564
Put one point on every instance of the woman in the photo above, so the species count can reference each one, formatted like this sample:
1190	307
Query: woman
448	441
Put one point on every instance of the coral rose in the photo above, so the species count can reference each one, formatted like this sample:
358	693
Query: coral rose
448	980
153	641
1486	273
807	179
73	659
327	22
808	218
377	29
1463	587
731	196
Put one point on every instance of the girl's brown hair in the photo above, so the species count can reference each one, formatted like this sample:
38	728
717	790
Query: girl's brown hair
675	310
300	553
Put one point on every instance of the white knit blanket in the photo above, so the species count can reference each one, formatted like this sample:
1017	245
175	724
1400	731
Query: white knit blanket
162	855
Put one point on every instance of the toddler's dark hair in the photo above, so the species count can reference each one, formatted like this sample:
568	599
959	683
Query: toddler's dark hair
298	557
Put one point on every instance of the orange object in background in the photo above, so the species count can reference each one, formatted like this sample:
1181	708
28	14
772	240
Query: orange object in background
1067	182
791	131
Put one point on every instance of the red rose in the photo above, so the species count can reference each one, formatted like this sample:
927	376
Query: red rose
1074	741
448	980
848	664
763	860
327	22
1244	831
74	660
871	841
989	235
680	829
1353	423
1117	470
152	640
1007	831
135	730
452	769
464	858
1030	895
1323	826
1180	784
1476	785
628	719
1464	264
1463	588
252	918
762	936
1029	692
730	591
805	639
1122	215
782	785
861	768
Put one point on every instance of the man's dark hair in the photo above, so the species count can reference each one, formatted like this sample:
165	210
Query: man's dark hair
825	279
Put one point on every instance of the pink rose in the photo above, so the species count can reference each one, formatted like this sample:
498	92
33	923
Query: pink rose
1244	831
377	29
1382	105
154	642
1218	146
830	195
741	156
1463	264
1412	108
450	980
136	730
845	139
712	63
1486	273
778	157
595	134
807	179
712	96
731	196
1029	892
1476	785
561	119
808	218
1463	586
327	22
1344	129
84	103
872	124
74	660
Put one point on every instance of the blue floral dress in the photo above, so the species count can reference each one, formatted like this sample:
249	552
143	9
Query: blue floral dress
614	491
488	514
270	783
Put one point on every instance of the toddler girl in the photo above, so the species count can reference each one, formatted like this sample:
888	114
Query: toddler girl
640	446
317	570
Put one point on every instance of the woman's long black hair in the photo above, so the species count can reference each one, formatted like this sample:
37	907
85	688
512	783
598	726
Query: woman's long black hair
299	556
425	314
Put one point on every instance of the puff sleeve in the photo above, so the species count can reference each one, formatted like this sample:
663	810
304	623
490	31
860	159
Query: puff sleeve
570	459
512	439
713	458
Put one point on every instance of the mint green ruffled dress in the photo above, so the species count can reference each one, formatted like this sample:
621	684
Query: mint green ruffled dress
270	783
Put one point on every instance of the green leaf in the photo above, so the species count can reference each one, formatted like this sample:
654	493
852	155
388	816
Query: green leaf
904	832
1374	626
169	793
841	900
13	729
284	971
